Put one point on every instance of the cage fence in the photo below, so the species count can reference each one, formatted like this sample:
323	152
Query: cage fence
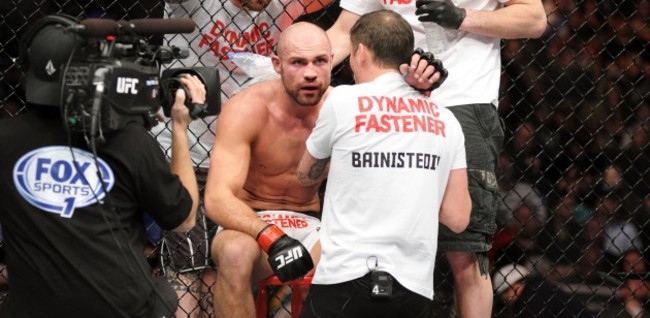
574	179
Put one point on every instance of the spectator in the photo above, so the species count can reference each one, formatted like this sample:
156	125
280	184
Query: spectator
559	237
620	233
633	293
522	193
517	240
529	295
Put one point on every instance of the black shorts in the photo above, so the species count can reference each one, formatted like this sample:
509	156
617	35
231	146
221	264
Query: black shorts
352	300
483	144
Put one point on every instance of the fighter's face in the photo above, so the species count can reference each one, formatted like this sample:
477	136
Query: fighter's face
252	5
306	80
306	75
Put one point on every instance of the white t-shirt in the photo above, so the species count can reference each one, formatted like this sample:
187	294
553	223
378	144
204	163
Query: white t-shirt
221	27
391	153
473	61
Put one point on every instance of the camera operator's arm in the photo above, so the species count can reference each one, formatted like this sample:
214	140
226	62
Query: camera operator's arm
181	162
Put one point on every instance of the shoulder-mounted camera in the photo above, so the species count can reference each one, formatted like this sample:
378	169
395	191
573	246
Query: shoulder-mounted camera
104	74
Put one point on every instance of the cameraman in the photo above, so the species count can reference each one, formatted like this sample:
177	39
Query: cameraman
72	214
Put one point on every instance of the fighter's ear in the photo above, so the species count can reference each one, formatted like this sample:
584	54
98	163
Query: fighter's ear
277	66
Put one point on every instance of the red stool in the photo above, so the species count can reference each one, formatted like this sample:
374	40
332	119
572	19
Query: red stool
296	295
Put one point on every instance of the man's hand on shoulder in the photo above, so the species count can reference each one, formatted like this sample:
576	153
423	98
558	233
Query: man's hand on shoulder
425	73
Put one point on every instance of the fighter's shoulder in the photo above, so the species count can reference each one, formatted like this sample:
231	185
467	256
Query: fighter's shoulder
255	98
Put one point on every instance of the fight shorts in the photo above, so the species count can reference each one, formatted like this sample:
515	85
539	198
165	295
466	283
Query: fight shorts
300	226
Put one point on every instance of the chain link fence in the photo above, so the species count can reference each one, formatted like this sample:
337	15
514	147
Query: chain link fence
574	223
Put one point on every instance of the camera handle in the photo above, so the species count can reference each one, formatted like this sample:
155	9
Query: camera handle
196	109
98	82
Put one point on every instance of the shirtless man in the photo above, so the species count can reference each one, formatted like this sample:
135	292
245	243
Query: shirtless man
259	141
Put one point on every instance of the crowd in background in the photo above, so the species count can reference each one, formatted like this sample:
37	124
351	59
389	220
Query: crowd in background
575	173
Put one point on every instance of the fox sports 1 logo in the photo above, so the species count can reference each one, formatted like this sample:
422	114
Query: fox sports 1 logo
59	179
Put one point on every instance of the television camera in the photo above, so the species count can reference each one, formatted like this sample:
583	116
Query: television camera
113	78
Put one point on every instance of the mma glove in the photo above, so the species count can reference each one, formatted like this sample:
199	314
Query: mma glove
437	64
288	258
442	12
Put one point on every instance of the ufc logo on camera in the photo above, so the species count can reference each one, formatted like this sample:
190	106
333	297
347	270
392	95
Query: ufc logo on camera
292	255
127	85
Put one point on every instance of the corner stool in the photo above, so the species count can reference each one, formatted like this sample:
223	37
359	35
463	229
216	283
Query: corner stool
296	295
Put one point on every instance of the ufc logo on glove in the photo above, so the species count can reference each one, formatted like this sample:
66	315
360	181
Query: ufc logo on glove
288	258
291	255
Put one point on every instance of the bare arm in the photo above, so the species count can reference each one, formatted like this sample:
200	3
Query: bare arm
311	171
518	19
181	162
456	203
339	35
229	163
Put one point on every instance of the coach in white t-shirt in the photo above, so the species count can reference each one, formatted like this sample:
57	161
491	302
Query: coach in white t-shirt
396	170
473	30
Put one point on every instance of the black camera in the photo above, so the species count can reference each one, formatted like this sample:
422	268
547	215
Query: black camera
170	82
107	75
381	284
103	95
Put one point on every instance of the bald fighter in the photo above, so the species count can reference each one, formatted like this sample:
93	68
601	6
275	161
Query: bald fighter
270	222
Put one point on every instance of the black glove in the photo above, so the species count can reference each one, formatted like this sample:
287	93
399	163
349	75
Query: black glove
437	64
441	12
288	258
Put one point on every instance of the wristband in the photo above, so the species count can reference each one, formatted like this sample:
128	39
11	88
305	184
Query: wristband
268	235
198	109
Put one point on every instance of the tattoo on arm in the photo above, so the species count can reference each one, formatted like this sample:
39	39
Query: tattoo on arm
316	171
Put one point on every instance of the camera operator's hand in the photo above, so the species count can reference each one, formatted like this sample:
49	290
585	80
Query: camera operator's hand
425	73
180	113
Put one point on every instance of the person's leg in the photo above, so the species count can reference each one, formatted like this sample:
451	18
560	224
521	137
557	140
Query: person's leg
184	256
240	262
187	287
472	290
466	252
208	279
